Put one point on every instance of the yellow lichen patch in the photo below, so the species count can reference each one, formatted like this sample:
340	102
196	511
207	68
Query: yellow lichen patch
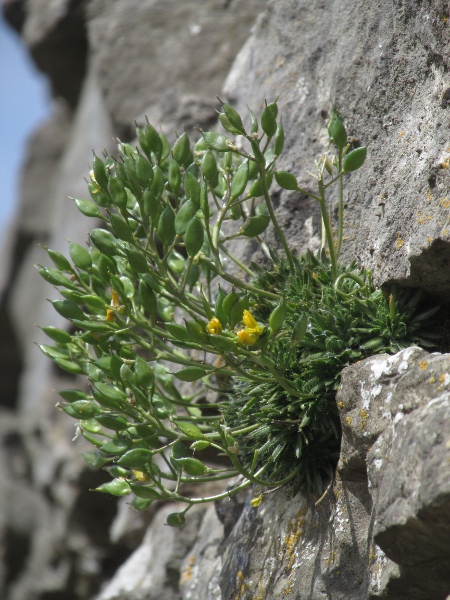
442	378
295	530
331	558
399	241
401	135
242	585
348	421
186	573
429	195
430	239
445	203
423	365
340	404
432	379
446	163
364	416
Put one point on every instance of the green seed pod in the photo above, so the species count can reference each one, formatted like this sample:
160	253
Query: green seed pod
255	225
286	180
226	124
87	208
192	466
80	257
112	422
193	276
68	310
209	166
104	241
100	172
190	430
355	159
176	520
151	205
176	261
218	308
127	375
166	226
190	374
71	395
144	171
268	121
278	316
178	331
229	301
181	149
145	491
99	197
216	141
240	180
118	193
135	458
55	277
336	130
137	261
165	147
196	331
116	487
133	181
165	309
147	298
154	142
59	260
299	331
121	227
109	392
234	118
279	140
223	344
194	236
94	303
116	446
162	406
184	216
199	445
238	310
57	335
274	108
144	373
69	366
174	176
158	183
254	122
192	189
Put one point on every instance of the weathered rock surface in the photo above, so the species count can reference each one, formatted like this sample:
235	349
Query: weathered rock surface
382	531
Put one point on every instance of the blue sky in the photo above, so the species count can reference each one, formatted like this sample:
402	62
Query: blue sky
24	103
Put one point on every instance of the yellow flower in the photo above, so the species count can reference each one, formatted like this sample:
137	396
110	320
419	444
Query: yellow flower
214	327
252	331
248	336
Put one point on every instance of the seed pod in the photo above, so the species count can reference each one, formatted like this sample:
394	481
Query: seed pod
112	422
176	261
355	159
100	172
57	335
135	458
234	118
190	430
144	171
192	466
153	141
137	261
109	392
192	189
174	176
144	373
209	166
286	180
268	121
255	225
204	205
193	276
80	257
299	331
190	374
178	331
68	310
216	141
104	241
55	277
181	149
127	376
158	182
116	487
336	130
229	301
274	108
196	331
258	155
194	236
240	180
279	140
165	308
87	208
121	227
59	260
176	520
165	147
278	316
166	226
151	205
118	193
99	197
254	122
69	366
238	309
223	344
